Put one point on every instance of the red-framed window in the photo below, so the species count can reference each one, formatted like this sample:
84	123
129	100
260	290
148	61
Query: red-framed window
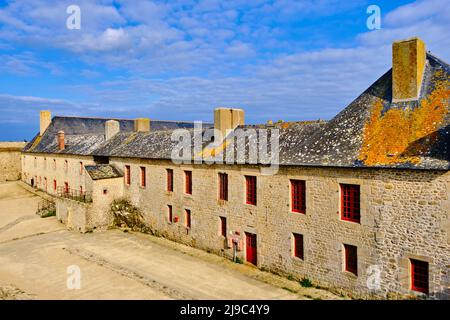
187	220
169	180
188	182
169	213
351	258
350	203
298	196
223	186
66	187
419	276
143	177
55	185
81	167
250	192
127	175
298	246
223	226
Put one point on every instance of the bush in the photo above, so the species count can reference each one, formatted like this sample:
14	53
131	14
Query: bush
128	216
306	283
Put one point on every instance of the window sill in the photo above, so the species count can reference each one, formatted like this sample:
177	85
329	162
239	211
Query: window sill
350	274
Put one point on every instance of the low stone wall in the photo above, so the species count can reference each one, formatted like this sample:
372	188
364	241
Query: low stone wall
10	164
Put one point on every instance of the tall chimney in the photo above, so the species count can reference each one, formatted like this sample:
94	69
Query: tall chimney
142	125
112	127
61	142
227	119
408	65
45	118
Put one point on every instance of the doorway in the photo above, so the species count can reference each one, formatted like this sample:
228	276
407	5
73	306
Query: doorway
250	248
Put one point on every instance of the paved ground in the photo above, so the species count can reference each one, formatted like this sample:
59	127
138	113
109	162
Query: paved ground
35	254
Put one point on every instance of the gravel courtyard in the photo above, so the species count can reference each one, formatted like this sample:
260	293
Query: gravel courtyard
35	254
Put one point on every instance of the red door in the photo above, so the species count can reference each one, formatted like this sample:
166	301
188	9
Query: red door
250	247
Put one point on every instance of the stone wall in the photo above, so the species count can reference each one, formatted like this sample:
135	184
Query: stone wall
404	214
10	165
40	170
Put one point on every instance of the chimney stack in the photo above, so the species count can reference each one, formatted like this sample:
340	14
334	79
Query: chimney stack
227	119
112	127
45	118
61	142
142	125
408	65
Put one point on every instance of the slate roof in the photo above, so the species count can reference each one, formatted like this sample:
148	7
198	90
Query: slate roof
85	135
103	171
370	132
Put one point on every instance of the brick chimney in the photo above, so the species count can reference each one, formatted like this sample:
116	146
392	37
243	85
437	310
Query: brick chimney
142	125
112	127
227	119
408	65
61	140
45	118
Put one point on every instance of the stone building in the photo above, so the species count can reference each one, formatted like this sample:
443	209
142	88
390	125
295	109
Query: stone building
359	204
10	165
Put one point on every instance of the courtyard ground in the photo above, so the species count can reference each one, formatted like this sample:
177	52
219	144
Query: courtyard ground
35	254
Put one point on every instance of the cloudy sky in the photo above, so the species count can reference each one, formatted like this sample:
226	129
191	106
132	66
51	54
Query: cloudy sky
178	60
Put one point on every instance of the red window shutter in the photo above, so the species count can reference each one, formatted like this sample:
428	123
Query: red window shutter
169	180
250	182
223	226
223	186
350	202
143	177
298	196
54	185
419	276
351	259
188	182
127	175
188	218
298	246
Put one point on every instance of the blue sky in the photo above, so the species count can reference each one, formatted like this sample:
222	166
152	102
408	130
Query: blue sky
178	60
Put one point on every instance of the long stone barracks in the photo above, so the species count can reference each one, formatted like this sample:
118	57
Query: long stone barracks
358	204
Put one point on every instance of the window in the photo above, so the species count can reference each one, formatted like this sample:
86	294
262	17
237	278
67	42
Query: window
45	183
45	163
66	165
55	185
298	196
105	192
223	186
81	190
81	168
169	180
188	182
143	177
250	184
35	162
350	210
351	259
127	175
419	276
66	187
54	164
223	226
187	219
298	245
169	213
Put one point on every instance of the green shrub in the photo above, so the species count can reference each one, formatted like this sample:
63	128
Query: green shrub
306	283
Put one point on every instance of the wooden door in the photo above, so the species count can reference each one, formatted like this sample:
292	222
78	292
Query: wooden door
250	248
